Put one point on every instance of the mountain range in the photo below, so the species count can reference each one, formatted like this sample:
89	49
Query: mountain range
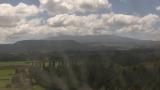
72	43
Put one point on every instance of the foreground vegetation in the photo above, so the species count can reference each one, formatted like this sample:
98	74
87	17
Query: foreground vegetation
137	69
110	70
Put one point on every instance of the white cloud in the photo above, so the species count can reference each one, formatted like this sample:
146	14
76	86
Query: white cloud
106	23
14	26
10	15
93	24
63	20
158	8
21	9
71	6
25	29
8	21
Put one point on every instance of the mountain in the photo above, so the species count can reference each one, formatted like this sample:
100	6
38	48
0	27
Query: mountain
110	41
30	49
97	39
41	46
77	43
52	45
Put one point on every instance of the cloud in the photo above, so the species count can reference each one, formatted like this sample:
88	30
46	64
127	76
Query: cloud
92	21
95	24
25	29
139	27
158	8
10	15
64	20
72	6
15	25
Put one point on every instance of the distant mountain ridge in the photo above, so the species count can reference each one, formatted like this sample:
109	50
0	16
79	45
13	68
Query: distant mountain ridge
110	40
77	43
41	46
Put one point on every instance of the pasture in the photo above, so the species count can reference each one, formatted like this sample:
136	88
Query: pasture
8	71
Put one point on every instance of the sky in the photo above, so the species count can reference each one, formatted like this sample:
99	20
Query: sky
40	19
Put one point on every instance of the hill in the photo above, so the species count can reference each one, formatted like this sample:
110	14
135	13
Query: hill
110	41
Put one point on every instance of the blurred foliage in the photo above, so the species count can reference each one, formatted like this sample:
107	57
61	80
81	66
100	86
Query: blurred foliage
126	70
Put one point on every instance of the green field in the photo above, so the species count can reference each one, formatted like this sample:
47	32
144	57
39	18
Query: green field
8	72
15	63
5	77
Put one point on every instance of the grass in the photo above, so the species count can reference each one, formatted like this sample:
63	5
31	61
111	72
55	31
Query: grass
38	88
5	76
7	73
15	63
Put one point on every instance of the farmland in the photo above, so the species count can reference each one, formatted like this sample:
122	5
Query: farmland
8	72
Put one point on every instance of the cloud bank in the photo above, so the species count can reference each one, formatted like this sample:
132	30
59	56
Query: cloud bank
10	15
17	22
72	6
